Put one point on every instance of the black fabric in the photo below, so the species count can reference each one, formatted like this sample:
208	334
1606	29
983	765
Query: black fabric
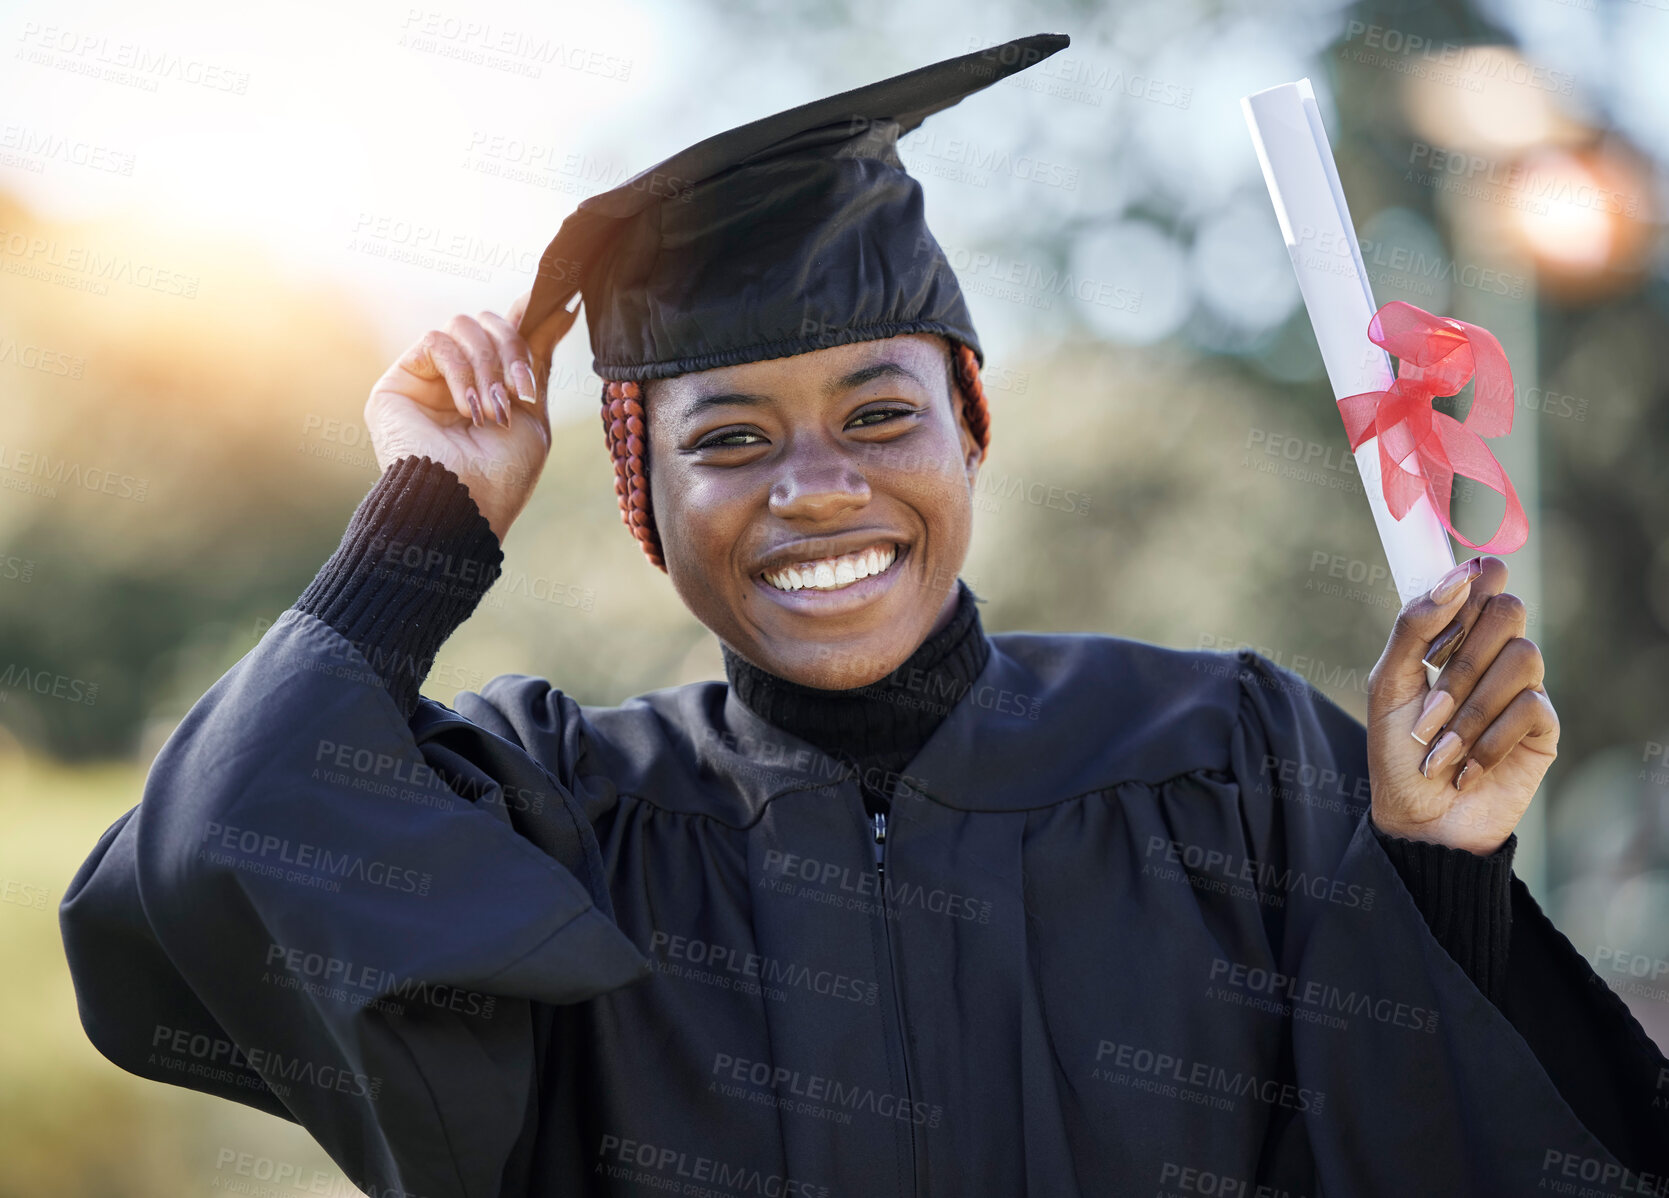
795	232
530	946
1466	900
875	729
1596	1052
413	564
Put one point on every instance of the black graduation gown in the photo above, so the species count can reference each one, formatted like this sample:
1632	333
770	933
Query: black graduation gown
1133	935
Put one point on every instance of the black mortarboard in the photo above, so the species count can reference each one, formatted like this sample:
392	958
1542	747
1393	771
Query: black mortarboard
788	234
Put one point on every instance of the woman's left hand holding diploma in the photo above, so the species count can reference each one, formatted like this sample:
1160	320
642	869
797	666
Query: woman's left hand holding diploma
1458	762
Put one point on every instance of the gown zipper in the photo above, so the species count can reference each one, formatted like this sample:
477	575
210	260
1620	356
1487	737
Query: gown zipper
879	823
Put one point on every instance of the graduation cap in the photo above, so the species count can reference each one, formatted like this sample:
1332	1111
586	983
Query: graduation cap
789	234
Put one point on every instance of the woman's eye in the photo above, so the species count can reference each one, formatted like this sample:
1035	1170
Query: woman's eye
726	440
737	438
864	421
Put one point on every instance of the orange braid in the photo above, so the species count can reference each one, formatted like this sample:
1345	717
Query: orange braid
626	432
627	435
974	408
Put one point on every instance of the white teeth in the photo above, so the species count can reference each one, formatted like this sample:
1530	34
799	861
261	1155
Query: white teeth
833	573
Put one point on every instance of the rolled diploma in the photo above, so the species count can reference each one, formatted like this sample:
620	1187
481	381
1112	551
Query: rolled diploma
1309	203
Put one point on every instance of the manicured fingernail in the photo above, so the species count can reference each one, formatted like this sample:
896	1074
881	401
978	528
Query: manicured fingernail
1444	646
1442	754
1468	774
501	401
474	402
522	377
1433	715
1449	585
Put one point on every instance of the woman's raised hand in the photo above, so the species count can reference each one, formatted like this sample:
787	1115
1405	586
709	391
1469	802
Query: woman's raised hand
471	396
1457	763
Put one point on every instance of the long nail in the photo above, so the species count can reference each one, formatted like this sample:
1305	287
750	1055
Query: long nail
474	402
522	377
1468	774
1444	646
1438	706
1442	754
501	401
1449	585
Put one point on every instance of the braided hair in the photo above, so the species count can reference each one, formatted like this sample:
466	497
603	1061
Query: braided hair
626	431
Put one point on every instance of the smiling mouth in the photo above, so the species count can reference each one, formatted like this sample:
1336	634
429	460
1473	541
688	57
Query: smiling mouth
834	573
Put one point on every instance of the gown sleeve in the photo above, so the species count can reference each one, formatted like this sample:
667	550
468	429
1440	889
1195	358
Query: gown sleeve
1553	1083
1466	901
326	905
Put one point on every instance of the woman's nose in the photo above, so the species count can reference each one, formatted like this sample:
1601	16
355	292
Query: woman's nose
818	486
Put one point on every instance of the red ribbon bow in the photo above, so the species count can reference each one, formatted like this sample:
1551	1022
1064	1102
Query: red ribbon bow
1438	355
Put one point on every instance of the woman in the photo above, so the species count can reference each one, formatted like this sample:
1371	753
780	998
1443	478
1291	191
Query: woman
899	908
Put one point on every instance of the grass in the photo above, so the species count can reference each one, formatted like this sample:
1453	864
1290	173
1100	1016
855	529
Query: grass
72	1125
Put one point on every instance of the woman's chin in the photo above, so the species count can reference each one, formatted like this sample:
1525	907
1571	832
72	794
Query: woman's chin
833	665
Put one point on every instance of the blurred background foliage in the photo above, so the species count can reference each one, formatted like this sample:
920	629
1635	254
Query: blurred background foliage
1166	423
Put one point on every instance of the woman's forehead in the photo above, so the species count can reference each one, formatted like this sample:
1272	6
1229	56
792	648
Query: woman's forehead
922	357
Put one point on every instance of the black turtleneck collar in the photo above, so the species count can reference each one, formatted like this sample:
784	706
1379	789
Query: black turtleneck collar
886	722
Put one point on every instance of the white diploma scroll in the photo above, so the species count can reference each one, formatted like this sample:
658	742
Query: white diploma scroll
1309	203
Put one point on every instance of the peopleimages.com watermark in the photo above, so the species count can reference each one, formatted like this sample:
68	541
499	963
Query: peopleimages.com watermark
456	252
1321	788
83	267
798	767
1218	1087
551	168
1178	1179
130	64
1640	975
16	569
1467	67
411	778
1517	184
253	1175
1028	283
964	160
469	39
1336	576
813	1094
200	1054
49	684
303	862
1310	1000
1589	1177
1214	870
659	1167
24	894
1654	763
360	984
37	472
744	971
1310	671
24	147
41	359
864	889
1333	251
1076	78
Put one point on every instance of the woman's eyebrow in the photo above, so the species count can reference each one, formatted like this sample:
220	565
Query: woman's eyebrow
875	370
846	382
